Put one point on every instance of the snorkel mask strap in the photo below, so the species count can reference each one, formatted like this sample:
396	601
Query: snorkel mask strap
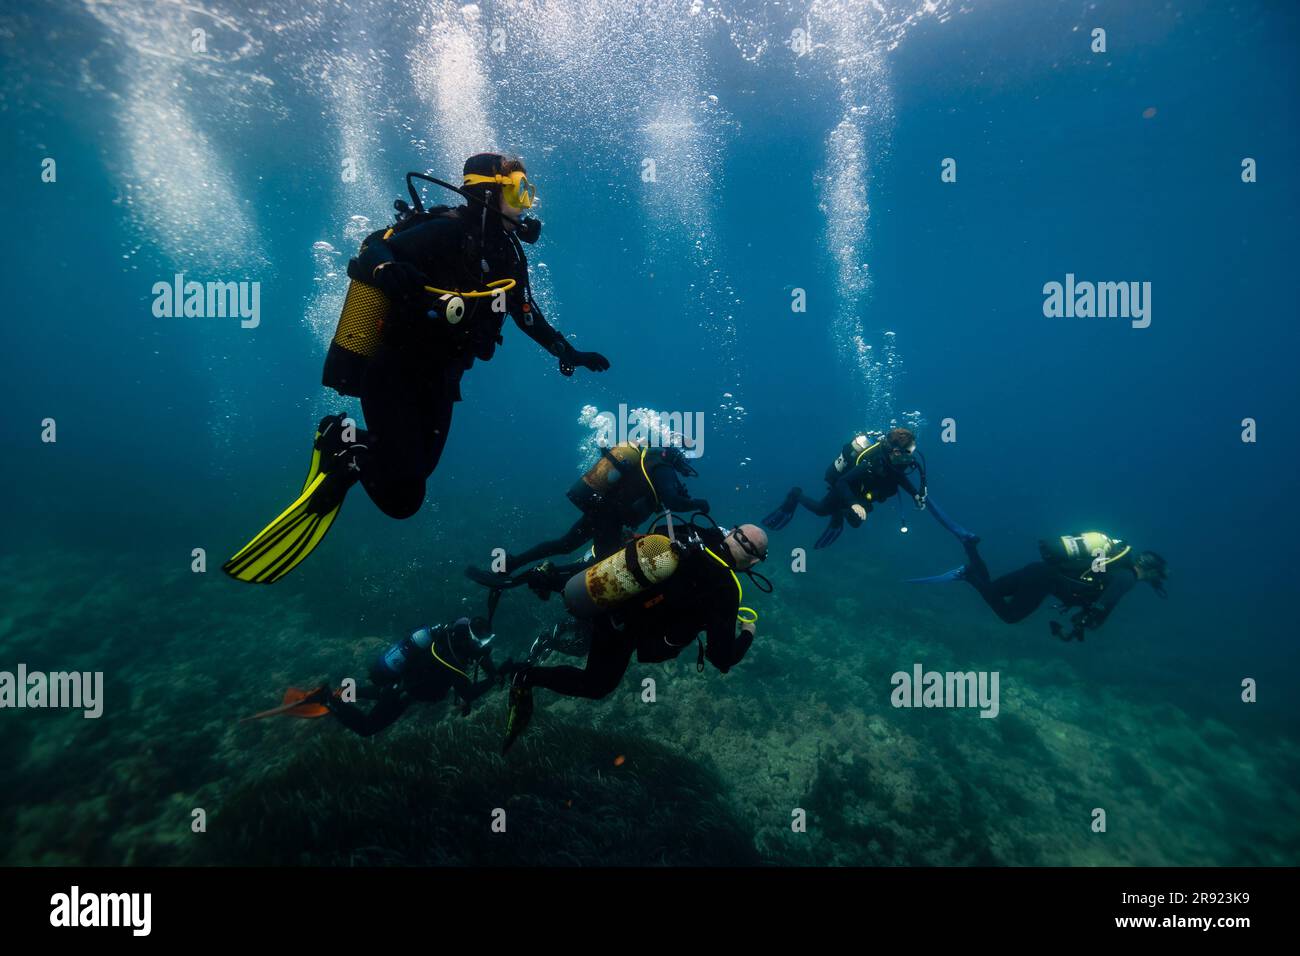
468	196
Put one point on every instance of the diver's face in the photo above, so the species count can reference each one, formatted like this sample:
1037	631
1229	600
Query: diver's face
511	214
748	546
901	456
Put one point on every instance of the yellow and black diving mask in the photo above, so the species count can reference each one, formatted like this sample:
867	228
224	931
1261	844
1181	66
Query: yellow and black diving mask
516	190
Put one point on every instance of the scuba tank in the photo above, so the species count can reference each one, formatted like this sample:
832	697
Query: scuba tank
602	478
640	565
850	455
1075	553
365	309
390	665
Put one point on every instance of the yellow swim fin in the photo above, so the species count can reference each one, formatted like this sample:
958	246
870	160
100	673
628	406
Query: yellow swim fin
284	543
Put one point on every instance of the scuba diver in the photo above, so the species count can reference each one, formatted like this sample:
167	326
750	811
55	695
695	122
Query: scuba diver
652	598
871	468
428	296
1088	573
627	484
425	667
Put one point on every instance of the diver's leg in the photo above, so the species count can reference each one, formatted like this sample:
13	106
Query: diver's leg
607	662
949	525
575	537
1015	596
824	508
607	536
408	417
389	707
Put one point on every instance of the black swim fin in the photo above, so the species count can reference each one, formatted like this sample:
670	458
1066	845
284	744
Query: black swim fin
832	532
779	518
492	579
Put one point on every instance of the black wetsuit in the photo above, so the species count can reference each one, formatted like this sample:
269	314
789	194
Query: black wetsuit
604	518
871	480
657	625
1013	597
412	382
425	679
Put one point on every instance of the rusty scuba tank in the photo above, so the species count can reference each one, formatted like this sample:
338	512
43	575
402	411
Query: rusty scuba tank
603	478
640	565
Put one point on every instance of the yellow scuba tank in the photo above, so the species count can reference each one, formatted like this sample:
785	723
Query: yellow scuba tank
360	330
1075	553
640	565
356	337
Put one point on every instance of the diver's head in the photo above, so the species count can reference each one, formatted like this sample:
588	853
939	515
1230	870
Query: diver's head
681	464
901	443
502	182
747	545
470	639
1153	569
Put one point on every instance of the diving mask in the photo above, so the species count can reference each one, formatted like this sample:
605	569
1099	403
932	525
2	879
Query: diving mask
903	456
516	190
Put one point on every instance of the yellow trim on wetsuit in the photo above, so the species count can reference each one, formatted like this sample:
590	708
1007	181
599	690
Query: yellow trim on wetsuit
646	475
1087	575
495	287
434	649
740	592
865	452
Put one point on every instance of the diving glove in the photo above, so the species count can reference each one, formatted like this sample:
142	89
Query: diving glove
571	358
399	281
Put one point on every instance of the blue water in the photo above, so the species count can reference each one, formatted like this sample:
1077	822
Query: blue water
774	172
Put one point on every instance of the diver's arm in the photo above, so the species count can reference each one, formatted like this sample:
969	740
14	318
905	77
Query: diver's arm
844	490
470	692
723	647
1116	587
523	309
535	326
388	260
672	492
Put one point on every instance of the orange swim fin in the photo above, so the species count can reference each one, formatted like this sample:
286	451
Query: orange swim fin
295	704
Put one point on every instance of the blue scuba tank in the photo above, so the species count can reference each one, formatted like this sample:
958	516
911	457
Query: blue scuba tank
390	665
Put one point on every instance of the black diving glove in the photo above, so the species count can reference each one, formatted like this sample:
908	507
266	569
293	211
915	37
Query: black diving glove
571	358
545	580
399	281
